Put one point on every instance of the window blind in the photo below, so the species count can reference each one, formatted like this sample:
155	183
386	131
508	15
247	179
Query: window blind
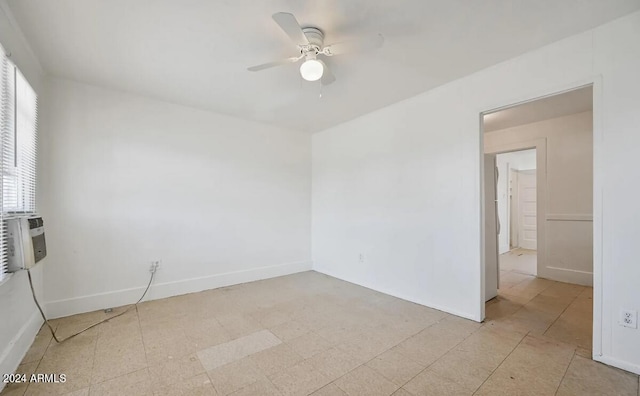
18	137
7	113
26	144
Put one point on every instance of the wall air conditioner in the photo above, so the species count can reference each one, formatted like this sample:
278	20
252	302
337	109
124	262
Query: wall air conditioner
25	242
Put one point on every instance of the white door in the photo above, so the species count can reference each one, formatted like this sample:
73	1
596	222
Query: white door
527	214
503	204
513	208
491	227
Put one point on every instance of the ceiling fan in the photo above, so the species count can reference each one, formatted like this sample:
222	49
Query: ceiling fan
310	42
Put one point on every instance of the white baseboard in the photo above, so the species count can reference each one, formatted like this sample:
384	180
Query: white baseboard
18	347
632	368
94	302
401	296
567	275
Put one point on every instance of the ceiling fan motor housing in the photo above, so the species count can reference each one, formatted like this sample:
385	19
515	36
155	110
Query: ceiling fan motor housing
316	40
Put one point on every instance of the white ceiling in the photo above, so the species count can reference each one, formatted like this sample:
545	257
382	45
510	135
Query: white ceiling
572	102
195	52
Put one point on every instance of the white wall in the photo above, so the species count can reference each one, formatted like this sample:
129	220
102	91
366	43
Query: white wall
567	215
20	320
518	160
402	184
130	180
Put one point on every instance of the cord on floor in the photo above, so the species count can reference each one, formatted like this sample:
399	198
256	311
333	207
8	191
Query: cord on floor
55	337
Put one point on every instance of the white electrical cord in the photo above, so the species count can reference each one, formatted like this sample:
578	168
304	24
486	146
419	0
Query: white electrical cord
93	325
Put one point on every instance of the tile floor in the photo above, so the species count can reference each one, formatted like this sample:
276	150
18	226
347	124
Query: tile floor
523	261
311	334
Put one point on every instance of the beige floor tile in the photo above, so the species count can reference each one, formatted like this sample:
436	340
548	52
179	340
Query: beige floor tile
478	355
39	346
365	381
231	351
521	261
73	324
587	293
135	383
517	299
263	388
235	376
402	392
535	367
467	369
433	342
585	353
199	385
73	358
161	344
501	307
206	333
81	347
364	347
164	317
575	325
564	290
530	287
510	278
116	357
301	379
81	392
391	337
309	344
534	319
271	317
290	330
391	334
338	332
550	304
586	377
174	371
506	329
397	329
122	326
329	390
395	367
276	359
76	379
334	363
429	383
19	388
238	325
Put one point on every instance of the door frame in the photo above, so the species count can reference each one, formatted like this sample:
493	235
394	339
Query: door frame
540	145
598	182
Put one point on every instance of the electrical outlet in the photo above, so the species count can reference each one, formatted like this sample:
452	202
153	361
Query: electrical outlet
362	258
155	265
629	318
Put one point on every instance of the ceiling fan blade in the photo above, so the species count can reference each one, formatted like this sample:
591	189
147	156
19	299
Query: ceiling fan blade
291	27
327	75
273	64
362	44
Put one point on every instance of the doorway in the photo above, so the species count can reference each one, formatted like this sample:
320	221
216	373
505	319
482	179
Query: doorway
538	219
517	211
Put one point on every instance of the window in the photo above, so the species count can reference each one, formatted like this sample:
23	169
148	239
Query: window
18	140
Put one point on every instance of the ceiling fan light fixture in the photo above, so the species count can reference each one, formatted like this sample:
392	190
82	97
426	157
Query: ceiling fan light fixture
311	70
